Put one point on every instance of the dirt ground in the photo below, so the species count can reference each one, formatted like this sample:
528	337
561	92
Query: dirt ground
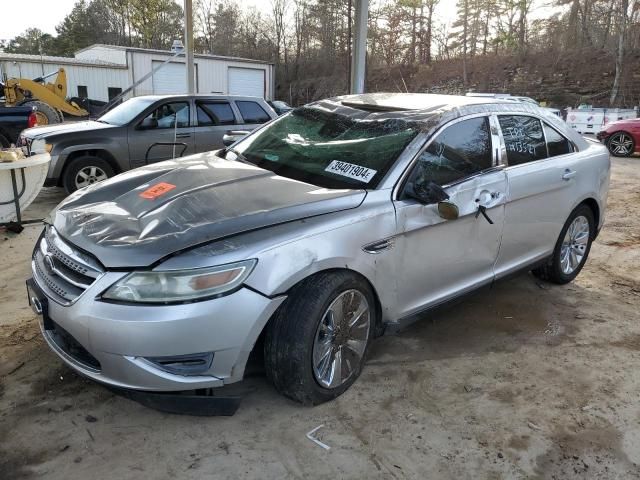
525	380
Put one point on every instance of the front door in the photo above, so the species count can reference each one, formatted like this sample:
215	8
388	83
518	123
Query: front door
541	176
439	258
164	133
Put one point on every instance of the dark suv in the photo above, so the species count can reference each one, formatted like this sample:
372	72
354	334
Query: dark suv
141	131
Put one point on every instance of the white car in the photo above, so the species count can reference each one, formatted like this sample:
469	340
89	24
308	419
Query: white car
328	226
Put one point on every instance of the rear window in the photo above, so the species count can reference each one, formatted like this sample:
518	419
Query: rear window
523	138
252	112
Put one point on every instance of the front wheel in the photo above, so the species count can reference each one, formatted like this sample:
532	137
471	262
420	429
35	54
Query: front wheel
621	144
84	171
316	344
572	248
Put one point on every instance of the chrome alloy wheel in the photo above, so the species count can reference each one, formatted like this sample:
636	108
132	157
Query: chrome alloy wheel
621	144
574	245
90	175
341	339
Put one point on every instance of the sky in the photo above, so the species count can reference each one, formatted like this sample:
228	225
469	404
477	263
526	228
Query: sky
46	14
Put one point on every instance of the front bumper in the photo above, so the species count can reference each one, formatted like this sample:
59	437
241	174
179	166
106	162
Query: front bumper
602	136
123	337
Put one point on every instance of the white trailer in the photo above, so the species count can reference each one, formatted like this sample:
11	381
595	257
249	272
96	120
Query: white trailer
592	120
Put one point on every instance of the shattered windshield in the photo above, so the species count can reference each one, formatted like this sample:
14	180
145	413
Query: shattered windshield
327	148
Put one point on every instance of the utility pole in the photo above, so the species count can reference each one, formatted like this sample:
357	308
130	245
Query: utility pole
359	47
188	44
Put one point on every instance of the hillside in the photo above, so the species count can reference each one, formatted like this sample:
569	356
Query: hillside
561	79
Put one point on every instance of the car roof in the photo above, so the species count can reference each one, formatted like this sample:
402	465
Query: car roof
213	96
415	101
433	111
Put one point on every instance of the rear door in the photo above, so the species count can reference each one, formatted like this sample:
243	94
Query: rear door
214	118
541	176
165	132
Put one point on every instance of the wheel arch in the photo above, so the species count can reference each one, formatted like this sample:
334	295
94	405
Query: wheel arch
379	325
97	152
595	209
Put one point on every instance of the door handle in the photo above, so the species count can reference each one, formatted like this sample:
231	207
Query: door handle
568	174
486	197
183	135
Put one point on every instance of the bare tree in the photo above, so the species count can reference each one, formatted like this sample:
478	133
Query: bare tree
622	30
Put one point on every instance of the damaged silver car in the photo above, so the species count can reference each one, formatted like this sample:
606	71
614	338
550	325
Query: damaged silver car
329	226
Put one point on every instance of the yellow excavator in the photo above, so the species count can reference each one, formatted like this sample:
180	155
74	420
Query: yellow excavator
50	99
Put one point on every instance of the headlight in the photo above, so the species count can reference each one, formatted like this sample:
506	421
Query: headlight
39	145
180	285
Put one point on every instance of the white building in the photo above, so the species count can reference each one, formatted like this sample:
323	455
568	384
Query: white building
101	72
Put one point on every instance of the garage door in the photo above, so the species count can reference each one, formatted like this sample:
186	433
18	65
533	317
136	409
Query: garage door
246	81
170	79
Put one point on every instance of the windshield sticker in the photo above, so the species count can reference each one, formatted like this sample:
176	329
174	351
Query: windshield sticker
271	157
350	170
157	190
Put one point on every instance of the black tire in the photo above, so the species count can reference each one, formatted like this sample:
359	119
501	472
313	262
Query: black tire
44	112
620	138
552	271
85	162
291	333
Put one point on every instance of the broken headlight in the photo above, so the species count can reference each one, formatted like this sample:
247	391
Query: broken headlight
180	285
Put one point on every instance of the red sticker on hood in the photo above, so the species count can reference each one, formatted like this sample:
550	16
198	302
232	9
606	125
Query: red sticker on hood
157	190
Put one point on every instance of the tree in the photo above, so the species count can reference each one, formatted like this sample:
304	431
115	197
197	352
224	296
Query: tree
622	31
32	42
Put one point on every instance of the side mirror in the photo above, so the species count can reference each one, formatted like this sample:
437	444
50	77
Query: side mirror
448	210
148	123
232	136
427	193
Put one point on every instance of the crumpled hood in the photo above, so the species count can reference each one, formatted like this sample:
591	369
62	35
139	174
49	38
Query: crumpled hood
138	218
49	130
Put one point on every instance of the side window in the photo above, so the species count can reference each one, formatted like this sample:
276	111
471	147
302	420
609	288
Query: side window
169	115
556	143
218	113
523	138
459	151
252	112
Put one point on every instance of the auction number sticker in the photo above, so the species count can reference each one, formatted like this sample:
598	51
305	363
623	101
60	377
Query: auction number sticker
350	170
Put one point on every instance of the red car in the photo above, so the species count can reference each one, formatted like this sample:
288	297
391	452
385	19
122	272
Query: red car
622	138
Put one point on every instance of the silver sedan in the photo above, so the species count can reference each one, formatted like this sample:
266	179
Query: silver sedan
329	226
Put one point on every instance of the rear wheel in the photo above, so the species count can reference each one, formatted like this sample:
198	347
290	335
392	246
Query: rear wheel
621	144
572	248
45	113
316	344
84	171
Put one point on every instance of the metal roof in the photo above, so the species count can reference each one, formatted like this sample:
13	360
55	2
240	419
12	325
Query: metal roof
21	57
169	53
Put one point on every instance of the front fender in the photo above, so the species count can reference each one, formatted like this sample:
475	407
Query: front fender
337	247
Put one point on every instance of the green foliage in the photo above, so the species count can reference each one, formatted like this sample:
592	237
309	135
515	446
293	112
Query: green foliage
32	42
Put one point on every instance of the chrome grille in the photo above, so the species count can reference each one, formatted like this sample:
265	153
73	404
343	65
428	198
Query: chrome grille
62	270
